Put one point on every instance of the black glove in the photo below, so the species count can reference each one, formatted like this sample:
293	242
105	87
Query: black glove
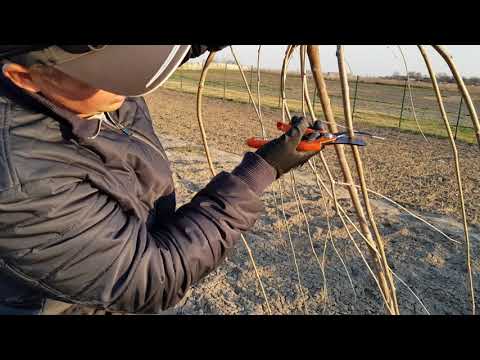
198	50
216	47
282	154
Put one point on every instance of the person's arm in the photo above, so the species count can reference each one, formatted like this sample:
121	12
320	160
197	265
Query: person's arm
77	244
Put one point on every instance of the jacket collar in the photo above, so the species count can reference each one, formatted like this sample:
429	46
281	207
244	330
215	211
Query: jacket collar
81	128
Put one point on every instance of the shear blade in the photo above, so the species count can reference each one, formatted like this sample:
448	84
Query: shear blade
358	141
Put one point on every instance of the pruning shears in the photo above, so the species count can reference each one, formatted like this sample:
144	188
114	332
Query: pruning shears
325	138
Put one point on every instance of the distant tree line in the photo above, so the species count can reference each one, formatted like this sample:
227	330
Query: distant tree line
224	60
441	78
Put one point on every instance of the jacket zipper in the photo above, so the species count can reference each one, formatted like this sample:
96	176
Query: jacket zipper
136	135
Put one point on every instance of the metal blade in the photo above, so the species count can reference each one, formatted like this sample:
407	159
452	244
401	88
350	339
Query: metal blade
358	141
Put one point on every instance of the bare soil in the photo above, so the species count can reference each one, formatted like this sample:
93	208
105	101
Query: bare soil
417	174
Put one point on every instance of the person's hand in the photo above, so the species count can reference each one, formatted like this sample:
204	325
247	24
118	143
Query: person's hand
282	154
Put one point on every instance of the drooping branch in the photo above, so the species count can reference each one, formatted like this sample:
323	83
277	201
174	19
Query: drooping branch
258	112
391	201
297	269
438	95
461	86
410	92
201	86
259	103
283	77
249	91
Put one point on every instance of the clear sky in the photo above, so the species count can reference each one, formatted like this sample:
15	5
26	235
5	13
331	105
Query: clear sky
366	60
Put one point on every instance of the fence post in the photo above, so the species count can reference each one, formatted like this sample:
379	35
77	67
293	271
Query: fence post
403	103
458	118
251	80
225	81
355	95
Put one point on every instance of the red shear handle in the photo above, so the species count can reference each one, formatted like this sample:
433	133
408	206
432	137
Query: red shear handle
310	146
284	127
256	143
303	146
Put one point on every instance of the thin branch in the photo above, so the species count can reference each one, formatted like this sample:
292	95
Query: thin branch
259	104
411	292
203	76
406	210
306	98
257	111
339	211
410	92
201	87
303	50
461	86
283	79
300	288
307	225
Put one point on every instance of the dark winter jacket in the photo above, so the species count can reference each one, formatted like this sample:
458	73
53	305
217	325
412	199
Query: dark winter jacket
88	214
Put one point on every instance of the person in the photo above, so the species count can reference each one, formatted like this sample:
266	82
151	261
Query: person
88	218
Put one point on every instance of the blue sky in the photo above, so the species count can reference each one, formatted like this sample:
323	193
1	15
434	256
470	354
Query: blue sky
366	60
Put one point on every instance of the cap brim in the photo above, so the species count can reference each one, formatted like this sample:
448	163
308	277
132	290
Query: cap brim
129	70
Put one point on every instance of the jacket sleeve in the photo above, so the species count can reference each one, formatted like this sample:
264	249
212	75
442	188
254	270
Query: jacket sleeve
77	245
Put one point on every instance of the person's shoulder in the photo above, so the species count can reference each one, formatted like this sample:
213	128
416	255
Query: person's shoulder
139	102
32	147
134	112
8	179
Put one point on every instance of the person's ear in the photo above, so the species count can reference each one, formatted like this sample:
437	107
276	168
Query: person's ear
20	76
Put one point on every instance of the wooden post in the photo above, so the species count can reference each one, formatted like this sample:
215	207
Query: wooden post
458	118
225	81
355	96
314	98
403	103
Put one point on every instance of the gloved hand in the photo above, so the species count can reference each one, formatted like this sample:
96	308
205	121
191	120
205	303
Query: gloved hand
282	154
198	50
216	47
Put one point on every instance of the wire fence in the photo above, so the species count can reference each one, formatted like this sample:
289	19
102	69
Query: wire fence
387	103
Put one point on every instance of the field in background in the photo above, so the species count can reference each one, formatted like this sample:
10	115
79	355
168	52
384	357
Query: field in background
375	102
